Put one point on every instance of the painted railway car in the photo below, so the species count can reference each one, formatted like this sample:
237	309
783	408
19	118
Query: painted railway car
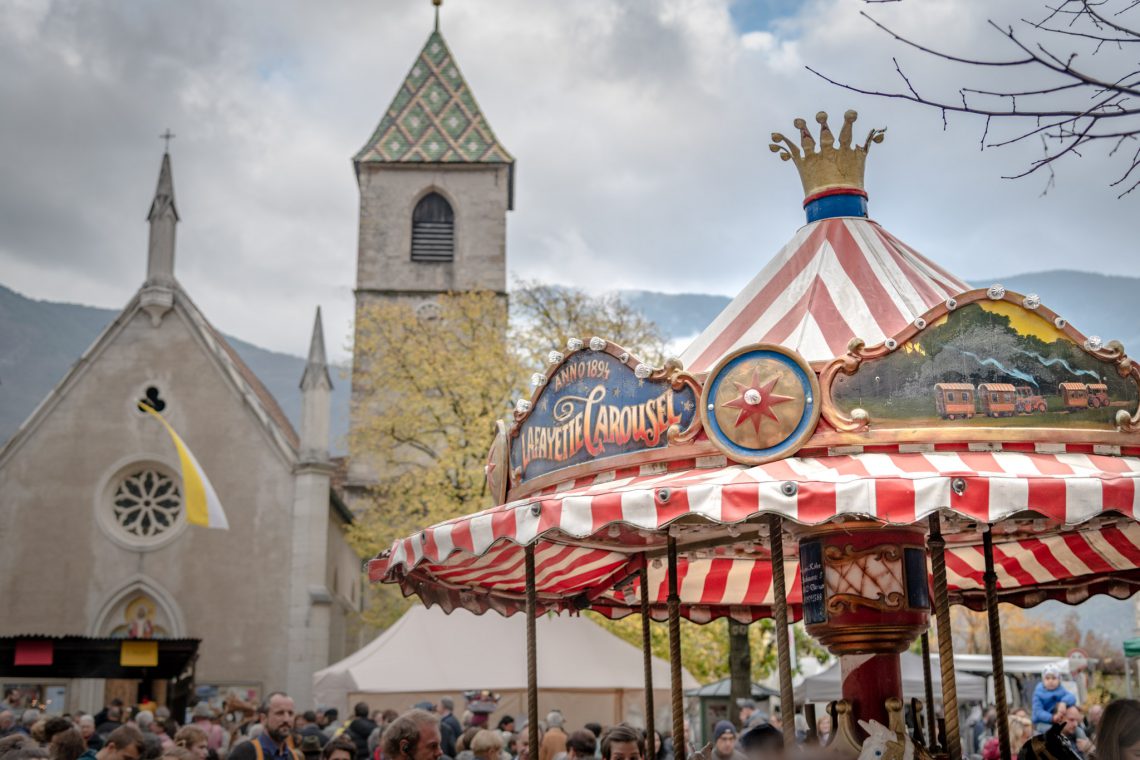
997	399
1074	395
954	400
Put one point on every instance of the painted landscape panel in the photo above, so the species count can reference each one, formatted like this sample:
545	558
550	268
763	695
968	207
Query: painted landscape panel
988	364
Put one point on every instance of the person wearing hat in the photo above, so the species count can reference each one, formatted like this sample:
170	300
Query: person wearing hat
747	707
310	747
1046	696
203	718
724	742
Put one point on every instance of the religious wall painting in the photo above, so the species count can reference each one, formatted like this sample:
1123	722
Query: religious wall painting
985	362
597	403
139	617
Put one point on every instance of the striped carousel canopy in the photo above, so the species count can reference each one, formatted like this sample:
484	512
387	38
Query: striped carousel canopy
1064	529
837	279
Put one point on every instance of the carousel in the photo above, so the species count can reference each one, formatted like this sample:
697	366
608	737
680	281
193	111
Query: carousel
859	441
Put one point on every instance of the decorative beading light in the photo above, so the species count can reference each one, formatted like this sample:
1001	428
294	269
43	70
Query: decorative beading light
574	344
537	379
1093	343
522	406
554	357
597	344
642	371
996	292
1031	301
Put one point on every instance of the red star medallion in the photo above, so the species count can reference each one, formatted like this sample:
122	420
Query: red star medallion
756	401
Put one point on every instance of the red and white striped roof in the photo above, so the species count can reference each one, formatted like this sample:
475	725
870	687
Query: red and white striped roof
837	279
590	539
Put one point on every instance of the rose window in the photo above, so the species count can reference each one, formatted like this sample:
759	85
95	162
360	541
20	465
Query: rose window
146	503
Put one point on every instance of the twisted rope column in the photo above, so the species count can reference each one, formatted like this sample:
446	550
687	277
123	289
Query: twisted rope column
780	608
928	687
531	655
647	657
994	620
945	640
674	602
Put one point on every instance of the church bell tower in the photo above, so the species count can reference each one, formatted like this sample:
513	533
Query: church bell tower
435	188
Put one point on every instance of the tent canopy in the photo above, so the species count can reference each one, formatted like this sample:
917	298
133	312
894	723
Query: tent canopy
826	685
428	650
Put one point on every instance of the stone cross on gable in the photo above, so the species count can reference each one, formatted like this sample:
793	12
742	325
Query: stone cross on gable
167	136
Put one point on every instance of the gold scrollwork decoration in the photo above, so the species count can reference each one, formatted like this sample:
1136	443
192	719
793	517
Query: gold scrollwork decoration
839	603
679	379
849	553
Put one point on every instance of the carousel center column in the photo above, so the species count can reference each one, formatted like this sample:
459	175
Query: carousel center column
866	599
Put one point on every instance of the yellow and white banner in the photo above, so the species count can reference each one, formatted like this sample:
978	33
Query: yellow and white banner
199	498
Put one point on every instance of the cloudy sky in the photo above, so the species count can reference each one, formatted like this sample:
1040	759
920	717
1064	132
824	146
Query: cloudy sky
640	128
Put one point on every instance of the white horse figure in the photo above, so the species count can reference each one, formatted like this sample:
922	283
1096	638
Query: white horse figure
884	744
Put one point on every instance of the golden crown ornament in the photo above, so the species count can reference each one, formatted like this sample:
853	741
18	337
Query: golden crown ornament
829	168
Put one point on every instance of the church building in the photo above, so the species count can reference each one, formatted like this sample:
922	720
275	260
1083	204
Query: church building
99	559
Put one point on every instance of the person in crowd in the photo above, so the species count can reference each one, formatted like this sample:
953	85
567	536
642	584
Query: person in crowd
554	740
1072	720
91	740
522	744
203	718
747	707
724	742
581	745
330	722
310	747
101	716
360	729
486	744
1118	733
1020	729
195	740
7	722
623	742
1047	695
124	743
63	739
339	748
1092	720
306	725
275	740
506	723
449	727
112	720
174	752
28	719
412	736
658	748
762	742
823	728
463	749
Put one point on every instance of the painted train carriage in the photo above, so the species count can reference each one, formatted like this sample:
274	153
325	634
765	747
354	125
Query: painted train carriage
791	464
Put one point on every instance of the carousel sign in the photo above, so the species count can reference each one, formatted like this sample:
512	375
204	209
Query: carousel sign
593	405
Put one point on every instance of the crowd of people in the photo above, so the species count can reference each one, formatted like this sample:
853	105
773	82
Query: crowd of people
1056	725
1055	729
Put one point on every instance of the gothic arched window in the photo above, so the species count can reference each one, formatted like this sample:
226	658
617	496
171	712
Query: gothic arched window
433	229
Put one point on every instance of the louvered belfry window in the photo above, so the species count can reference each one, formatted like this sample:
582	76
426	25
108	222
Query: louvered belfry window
433	230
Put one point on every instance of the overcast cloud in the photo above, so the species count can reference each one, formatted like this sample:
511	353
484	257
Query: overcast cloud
640	129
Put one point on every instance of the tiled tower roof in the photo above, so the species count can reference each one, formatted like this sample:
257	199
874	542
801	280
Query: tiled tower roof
434	117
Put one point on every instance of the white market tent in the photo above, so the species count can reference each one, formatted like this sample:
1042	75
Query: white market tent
583	670
826	686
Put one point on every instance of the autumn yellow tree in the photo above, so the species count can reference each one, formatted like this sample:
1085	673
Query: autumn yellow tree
433	381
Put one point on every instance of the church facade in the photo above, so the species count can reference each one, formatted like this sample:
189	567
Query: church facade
96	542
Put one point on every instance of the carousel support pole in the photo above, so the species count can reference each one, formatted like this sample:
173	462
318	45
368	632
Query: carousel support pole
945	640
780	608
531	655
647	658
990	579
928	687
678	709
